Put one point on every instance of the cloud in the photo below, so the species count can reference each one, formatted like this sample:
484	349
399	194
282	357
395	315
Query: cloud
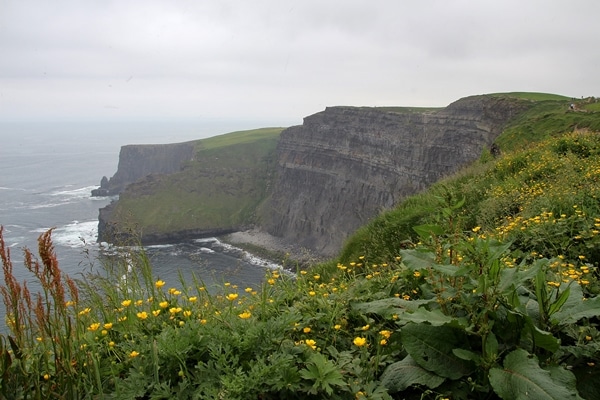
284	59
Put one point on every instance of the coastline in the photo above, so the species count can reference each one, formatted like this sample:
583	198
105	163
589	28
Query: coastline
270	247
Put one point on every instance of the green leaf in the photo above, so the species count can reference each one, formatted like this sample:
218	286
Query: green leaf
556	306
544	339
575	307
323	373
522	378
426	231
402	374
417	259
390	306
432	348
435	317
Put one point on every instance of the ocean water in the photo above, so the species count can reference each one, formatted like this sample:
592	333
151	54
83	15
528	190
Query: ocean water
47	171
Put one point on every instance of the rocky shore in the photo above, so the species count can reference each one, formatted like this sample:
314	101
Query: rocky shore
274	248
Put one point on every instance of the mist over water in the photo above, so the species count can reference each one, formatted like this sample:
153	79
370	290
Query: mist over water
47	171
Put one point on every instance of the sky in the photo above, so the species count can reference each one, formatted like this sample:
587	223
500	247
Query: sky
281	60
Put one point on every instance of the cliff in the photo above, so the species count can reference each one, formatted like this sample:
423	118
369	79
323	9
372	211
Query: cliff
138	161
345	165
310	186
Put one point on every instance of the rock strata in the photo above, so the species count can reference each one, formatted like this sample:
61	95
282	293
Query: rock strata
345	165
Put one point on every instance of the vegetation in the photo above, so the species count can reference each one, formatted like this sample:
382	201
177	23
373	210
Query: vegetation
222	187
485	286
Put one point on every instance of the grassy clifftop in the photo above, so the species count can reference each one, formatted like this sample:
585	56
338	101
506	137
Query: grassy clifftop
221	187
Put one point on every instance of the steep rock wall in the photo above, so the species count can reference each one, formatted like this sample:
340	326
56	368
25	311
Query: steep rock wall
139	161
345	165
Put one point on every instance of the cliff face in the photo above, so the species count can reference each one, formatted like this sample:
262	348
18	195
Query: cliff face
344	165
139	161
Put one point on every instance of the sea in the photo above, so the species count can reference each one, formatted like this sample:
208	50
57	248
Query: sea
47	172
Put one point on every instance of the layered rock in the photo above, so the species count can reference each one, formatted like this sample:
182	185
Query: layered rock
345	165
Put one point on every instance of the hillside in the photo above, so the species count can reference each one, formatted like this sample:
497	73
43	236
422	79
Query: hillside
216	191
484	286
311	186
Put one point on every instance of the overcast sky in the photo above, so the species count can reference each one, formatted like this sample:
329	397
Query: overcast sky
282	60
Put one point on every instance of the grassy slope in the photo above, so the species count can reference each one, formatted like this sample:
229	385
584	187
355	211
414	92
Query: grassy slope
221	188
520	183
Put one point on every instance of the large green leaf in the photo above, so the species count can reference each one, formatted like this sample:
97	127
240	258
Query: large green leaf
435	317
403	374
390	306
417	259
522	378
431	347
576	307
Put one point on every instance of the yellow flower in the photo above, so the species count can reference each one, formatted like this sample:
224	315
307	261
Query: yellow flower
104	332
85	311
187	313
108	325
359	341
383	342
303	272
312	293
111	344
126	303
175	310
476	229
163	304
142	315
231	296
271	281
192	299
311	343
337	327
134	354
306	329
317	277
588	338
139	302
46	377
386	334
416	274
159	284
366	327
155	313
248	290
245	315
94	327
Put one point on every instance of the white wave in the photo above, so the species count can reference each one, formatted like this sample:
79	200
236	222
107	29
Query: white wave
207	240
206	250
79	193
252	259
159	246
76	234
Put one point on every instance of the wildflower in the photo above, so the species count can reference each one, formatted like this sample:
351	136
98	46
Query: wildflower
175	310
134	354
126	303
476	229
359	341
181	323
383	342
104	332
94	327
39	339
187	313
312	293
245	315
203	321
46	377
142	315
111	344
85	311
386	334
69	303
366	327
123	318
248	290
231	296
163	304
306	329
416	274
139	302
337	327
303	272
311	343
159	283
317	277
192	299
588	338
155	313
271	281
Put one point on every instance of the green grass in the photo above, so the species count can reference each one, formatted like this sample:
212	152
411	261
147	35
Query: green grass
221	188
534	96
